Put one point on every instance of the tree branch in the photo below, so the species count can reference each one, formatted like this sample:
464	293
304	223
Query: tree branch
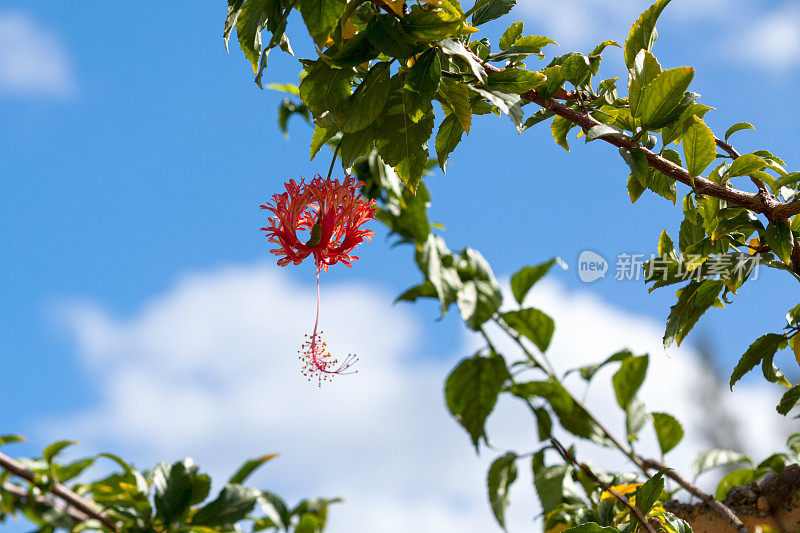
731	151
709	500
634	510
20	492
756	202
85	506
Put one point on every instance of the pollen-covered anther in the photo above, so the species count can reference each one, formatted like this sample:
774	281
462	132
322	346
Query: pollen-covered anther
317	361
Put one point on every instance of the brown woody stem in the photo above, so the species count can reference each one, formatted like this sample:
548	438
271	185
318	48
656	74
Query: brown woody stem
634	510
73	501
709	500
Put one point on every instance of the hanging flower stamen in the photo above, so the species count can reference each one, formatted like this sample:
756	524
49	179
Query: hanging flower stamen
332	213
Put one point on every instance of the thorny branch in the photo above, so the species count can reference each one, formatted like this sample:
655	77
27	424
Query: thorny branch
74	501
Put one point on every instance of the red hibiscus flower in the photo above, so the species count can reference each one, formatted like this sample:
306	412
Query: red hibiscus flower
329	215
330	212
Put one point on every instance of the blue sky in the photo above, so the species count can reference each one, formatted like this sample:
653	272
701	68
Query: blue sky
135	151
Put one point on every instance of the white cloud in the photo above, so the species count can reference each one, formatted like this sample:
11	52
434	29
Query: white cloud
32	60
771	42
578	24
209	369
758	35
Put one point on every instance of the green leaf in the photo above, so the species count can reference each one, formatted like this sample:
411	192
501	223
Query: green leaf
325	87
491	10
421	83
425	25
72	470
650	492
502	474
737	478
789	179
560	128
354	51
662	95
677	129
457	97
544	424
402	142
763	346
513	80
716	458
737	127
423	290
554	484
533	324
479	297
321	16
668	431
248	468
636	416
591	527
508	103
778	236
250	22
522	47
355	145
510	36
51	451
387	35
308	524
699	147
319	138
629	378
234	9
588	372
771	372
662	185
275	509
361	108
744	165
471	391
693	301
645	69
447	138
174	489
526	277
456	50
477	301
643	32
604	130
637	161
233	504
789	400
444	278
571	415
577	70
7	439
635	188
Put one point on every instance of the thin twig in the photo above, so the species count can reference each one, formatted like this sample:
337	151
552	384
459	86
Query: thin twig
518	339
718	506
645	465
634	510
83	505
333	161
757	203
21	493
731	151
